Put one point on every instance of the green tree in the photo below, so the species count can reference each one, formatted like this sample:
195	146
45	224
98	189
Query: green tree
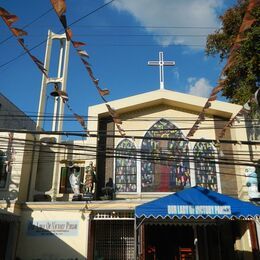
240	51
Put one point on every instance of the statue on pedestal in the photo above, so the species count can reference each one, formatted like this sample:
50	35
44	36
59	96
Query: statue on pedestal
75	179
90	178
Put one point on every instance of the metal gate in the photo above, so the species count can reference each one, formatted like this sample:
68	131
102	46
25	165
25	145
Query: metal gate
114	240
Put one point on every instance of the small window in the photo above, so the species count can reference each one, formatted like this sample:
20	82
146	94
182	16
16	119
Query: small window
3	170
65	186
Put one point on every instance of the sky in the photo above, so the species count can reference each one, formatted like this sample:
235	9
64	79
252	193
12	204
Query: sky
121	38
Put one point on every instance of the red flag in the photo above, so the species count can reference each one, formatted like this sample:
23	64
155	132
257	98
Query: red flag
59	6
78	44
18	32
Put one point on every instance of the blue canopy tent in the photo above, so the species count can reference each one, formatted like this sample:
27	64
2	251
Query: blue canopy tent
197	202
198	208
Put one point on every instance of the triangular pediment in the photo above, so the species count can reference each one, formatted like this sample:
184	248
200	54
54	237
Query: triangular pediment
167	97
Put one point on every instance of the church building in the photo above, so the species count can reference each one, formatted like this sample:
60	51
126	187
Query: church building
151	193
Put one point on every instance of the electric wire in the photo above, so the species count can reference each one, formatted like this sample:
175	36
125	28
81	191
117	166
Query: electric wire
28	24
42	42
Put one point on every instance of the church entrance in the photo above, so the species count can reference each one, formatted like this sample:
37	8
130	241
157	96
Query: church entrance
180	241
169	242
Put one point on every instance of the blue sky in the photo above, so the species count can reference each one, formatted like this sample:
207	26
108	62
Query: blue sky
121	38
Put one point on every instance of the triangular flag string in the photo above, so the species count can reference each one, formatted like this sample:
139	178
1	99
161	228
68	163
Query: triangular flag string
60	9
247	22
9	19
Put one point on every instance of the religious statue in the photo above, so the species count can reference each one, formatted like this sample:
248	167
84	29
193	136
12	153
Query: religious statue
252	182
75	179
90	178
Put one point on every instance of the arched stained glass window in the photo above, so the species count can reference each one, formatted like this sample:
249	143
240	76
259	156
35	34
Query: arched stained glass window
205	167
165	163
126	167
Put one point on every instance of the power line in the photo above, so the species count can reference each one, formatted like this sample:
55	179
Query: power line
64	133
40	43
28	24
68	145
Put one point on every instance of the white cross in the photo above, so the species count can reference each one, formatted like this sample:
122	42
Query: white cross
161	63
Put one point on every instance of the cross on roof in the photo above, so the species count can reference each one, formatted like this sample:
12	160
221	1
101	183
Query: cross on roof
161	63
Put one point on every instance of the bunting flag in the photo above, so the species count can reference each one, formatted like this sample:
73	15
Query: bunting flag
63	21
59	6
96	81
212	98
120	130
103	92
78	118
207	105
68	33
82	122
38	63
3	12
9	19
18	32
217	89
82	53
63	95
247	22
78	44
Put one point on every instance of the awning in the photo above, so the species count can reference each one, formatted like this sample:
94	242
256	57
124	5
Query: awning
197	202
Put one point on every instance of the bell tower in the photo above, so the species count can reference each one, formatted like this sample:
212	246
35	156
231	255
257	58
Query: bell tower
59	81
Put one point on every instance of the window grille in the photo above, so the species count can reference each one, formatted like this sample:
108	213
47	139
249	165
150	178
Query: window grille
114	240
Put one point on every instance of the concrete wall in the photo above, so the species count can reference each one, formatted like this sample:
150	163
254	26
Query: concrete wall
64	242
20	146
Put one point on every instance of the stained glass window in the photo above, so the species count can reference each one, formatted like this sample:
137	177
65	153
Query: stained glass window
205	167
165	163
126	167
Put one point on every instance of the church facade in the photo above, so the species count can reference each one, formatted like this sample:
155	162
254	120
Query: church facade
154	159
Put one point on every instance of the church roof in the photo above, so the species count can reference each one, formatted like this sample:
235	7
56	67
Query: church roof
167	97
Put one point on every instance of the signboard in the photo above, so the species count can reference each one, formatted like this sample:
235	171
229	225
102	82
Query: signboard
199	210
53	227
